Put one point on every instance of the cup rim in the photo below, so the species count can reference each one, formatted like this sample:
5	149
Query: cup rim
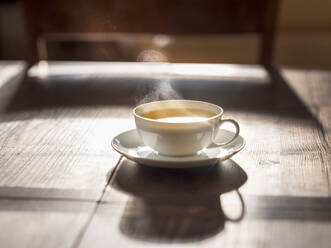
178	100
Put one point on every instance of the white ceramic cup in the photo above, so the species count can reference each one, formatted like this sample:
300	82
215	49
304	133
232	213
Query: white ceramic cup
180	138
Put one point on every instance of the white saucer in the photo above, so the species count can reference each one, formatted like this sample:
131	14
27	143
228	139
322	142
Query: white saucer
130	146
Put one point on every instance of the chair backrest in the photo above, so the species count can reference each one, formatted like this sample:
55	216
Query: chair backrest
154	16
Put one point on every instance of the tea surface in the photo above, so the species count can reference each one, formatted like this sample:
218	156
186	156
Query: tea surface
179	115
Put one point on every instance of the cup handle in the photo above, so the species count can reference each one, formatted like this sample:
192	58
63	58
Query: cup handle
235	136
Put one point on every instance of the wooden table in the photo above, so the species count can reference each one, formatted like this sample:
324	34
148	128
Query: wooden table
62	185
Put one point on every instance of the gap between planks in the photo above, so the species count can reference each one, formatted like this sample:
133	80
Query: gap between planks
82	232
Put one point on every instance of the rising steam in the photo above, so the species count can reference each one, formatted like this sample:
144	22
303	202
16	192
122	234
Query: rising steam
157	92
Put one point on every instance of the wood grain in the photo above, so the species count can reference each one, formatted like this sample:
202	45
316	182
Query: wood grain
58	172
287	163
53	166
60	148
32	223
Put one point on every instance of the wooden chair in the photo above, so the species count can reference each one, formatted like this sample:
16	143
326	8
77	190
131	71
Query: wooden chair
183	17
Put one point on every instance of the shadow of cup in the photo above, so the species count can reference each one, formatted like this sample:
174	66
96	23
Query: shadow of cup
176	204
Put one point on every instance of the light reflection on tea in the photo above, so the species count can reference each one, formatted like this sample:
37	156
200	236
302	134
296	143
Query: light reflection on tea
179	115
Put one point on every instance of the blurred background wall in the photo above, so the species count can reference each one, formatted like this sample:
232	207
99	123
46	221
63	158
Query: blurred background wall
303	38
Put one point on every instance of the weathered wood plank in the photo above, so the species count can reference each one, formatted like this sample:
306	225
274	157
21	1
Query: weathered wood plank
324	116
60	148
285	159
282	151
42	223
56	159
313	87
276	233
54	165
321	87
162	205
128	218
305	175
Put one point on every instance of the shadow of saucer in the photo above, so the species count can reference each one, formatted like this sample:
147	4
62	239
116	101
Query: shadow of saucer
180	205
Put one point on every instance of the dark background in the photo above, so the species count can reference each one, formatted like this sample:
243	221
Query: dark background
303	39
